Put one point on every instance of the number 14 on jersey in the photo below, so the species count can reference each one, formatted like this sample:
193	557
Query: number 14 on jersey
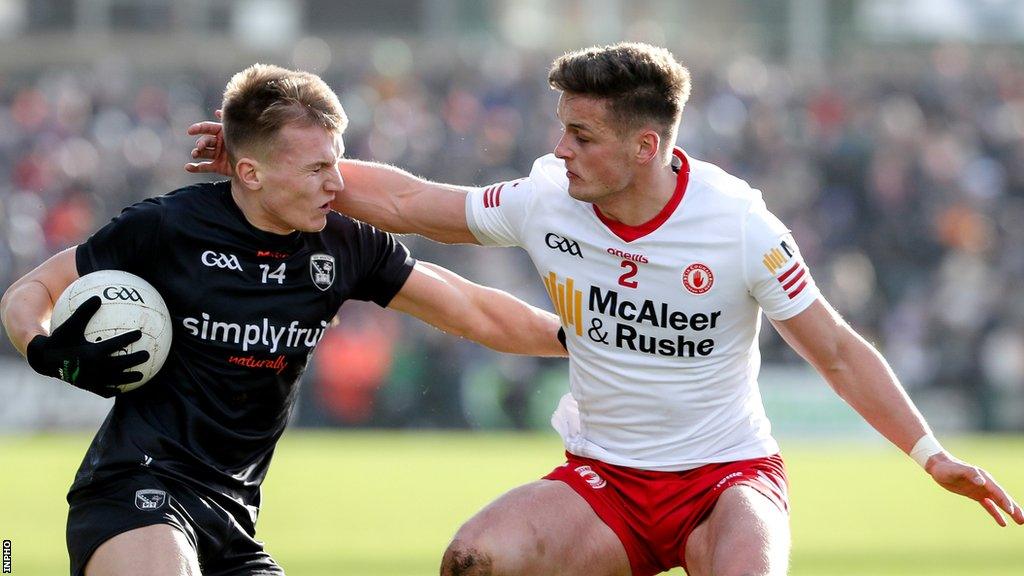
277	274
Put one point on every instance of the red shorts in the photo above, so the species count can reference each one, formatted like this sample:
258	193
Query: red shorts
653	513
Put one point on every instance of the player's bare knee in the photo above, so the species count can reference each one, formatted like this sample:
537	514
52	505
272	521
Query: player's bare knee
463	558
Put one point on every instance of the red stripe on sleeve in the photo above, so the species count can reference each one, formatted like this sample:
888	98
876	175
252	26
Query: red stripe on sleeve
497	195
789	284
798	290
788	272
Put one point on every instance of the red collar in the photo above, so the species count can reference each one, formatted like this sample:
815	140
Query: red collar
630	233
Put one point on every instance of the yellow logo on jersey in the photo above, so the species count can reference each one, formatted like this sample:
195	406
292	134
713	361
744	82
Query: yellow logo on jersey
568	301
773	260
776	257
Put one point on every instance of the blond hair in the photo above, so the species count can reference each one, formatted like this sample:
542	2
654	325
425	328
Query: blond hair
262	99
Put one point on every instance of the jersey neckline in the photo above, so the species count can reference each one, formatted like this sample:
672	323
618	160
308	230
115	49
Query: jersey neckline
631	233
276	240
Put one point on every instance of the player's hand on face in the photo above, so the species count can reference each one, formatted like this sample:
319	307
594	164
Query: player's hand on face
977	484
92	366
209	148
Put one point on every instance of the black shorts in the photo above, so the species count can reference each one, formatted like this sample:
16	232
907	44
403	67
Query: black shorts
222	538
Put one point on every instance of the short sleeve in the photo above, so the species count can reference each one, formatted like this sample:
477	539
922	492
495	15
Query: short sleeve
128	242
777	276
496	213
385	265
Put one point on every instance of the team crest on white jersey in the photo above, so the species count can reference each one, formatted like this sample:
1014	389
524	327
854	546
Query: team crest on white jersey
321	270
149	499
697	278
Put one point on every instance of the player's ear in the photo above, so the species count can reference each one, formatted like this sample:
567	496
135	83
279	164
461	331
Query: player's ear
247	170
648	144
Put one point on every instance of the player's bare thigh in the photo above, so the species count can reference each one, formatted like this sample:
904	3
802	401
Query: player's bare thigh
158	550
746	534
541	528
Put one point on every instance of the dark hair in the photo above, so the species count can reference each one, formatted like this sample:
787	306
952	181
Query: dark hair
642	84
262	99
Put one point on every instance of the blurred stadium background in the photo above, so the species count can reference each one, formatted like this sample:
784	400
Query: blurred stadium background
888	134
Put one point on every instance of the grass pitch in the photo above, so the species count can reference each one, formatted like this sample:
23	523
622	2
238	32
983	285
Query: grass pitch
385	504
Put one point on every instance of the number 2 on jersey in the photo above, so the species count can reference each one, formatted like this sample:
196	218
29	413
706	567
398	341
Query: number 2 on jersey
631	270
276	274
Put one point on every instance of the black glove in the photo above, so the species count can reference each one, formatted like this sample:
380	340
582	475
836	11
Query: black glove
561	338
67	355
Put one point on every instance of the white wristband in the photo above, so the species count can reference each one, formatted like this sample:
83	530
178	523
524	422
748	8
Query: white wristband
925	448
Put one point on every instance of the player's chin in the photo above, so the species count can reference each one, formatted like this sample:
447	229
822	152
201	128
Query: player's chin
315	224
578	191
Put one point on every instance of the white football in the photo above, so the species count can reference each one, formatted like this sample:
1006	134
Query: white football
128	303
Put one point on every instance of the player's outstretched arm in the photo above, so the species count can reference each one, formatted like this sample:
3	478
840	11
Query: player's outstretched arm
394	200
491	317
385	196
860	375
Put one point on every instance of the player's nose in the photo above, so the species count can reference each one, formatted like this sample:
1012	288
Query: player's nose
336	183
562	150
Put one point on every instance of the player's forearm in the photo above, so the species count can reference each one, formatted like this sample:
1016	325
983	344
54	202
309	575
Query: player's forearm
23	309
490	317
516	327
505	323
862	377
397	201
373	194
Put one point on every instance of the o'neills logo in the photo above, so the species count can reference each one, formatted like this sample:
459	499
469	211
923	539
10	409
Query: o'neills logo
697	278
271	254
628	256
278	364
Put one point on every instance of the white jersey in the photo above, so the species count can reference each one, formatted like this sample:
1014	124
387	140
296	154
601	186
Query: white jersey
661	319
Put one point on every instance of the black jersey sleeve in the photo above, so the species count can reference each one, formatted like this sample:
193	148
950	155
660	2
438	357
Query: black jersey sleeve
386	265
128	242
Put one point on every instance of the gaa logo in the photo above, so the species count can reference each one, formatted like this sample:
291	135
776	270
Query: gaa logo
122	293
592	478
556	242
697	278
229	261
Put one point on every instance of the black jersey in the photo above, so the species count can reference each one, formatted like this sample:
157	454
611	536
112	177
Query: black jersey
248	307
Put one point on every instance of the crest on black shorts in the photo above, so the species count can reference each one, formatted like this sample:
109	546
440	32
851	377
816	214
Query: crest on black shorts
321	270
149	499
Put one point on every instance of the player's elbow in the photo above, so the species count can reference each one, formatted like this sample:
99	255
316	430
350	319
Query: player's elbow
4	302
5	298
9	312
10	295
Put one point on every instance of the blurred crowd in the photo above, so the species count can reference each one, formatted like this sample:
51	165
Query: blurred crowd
901	175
